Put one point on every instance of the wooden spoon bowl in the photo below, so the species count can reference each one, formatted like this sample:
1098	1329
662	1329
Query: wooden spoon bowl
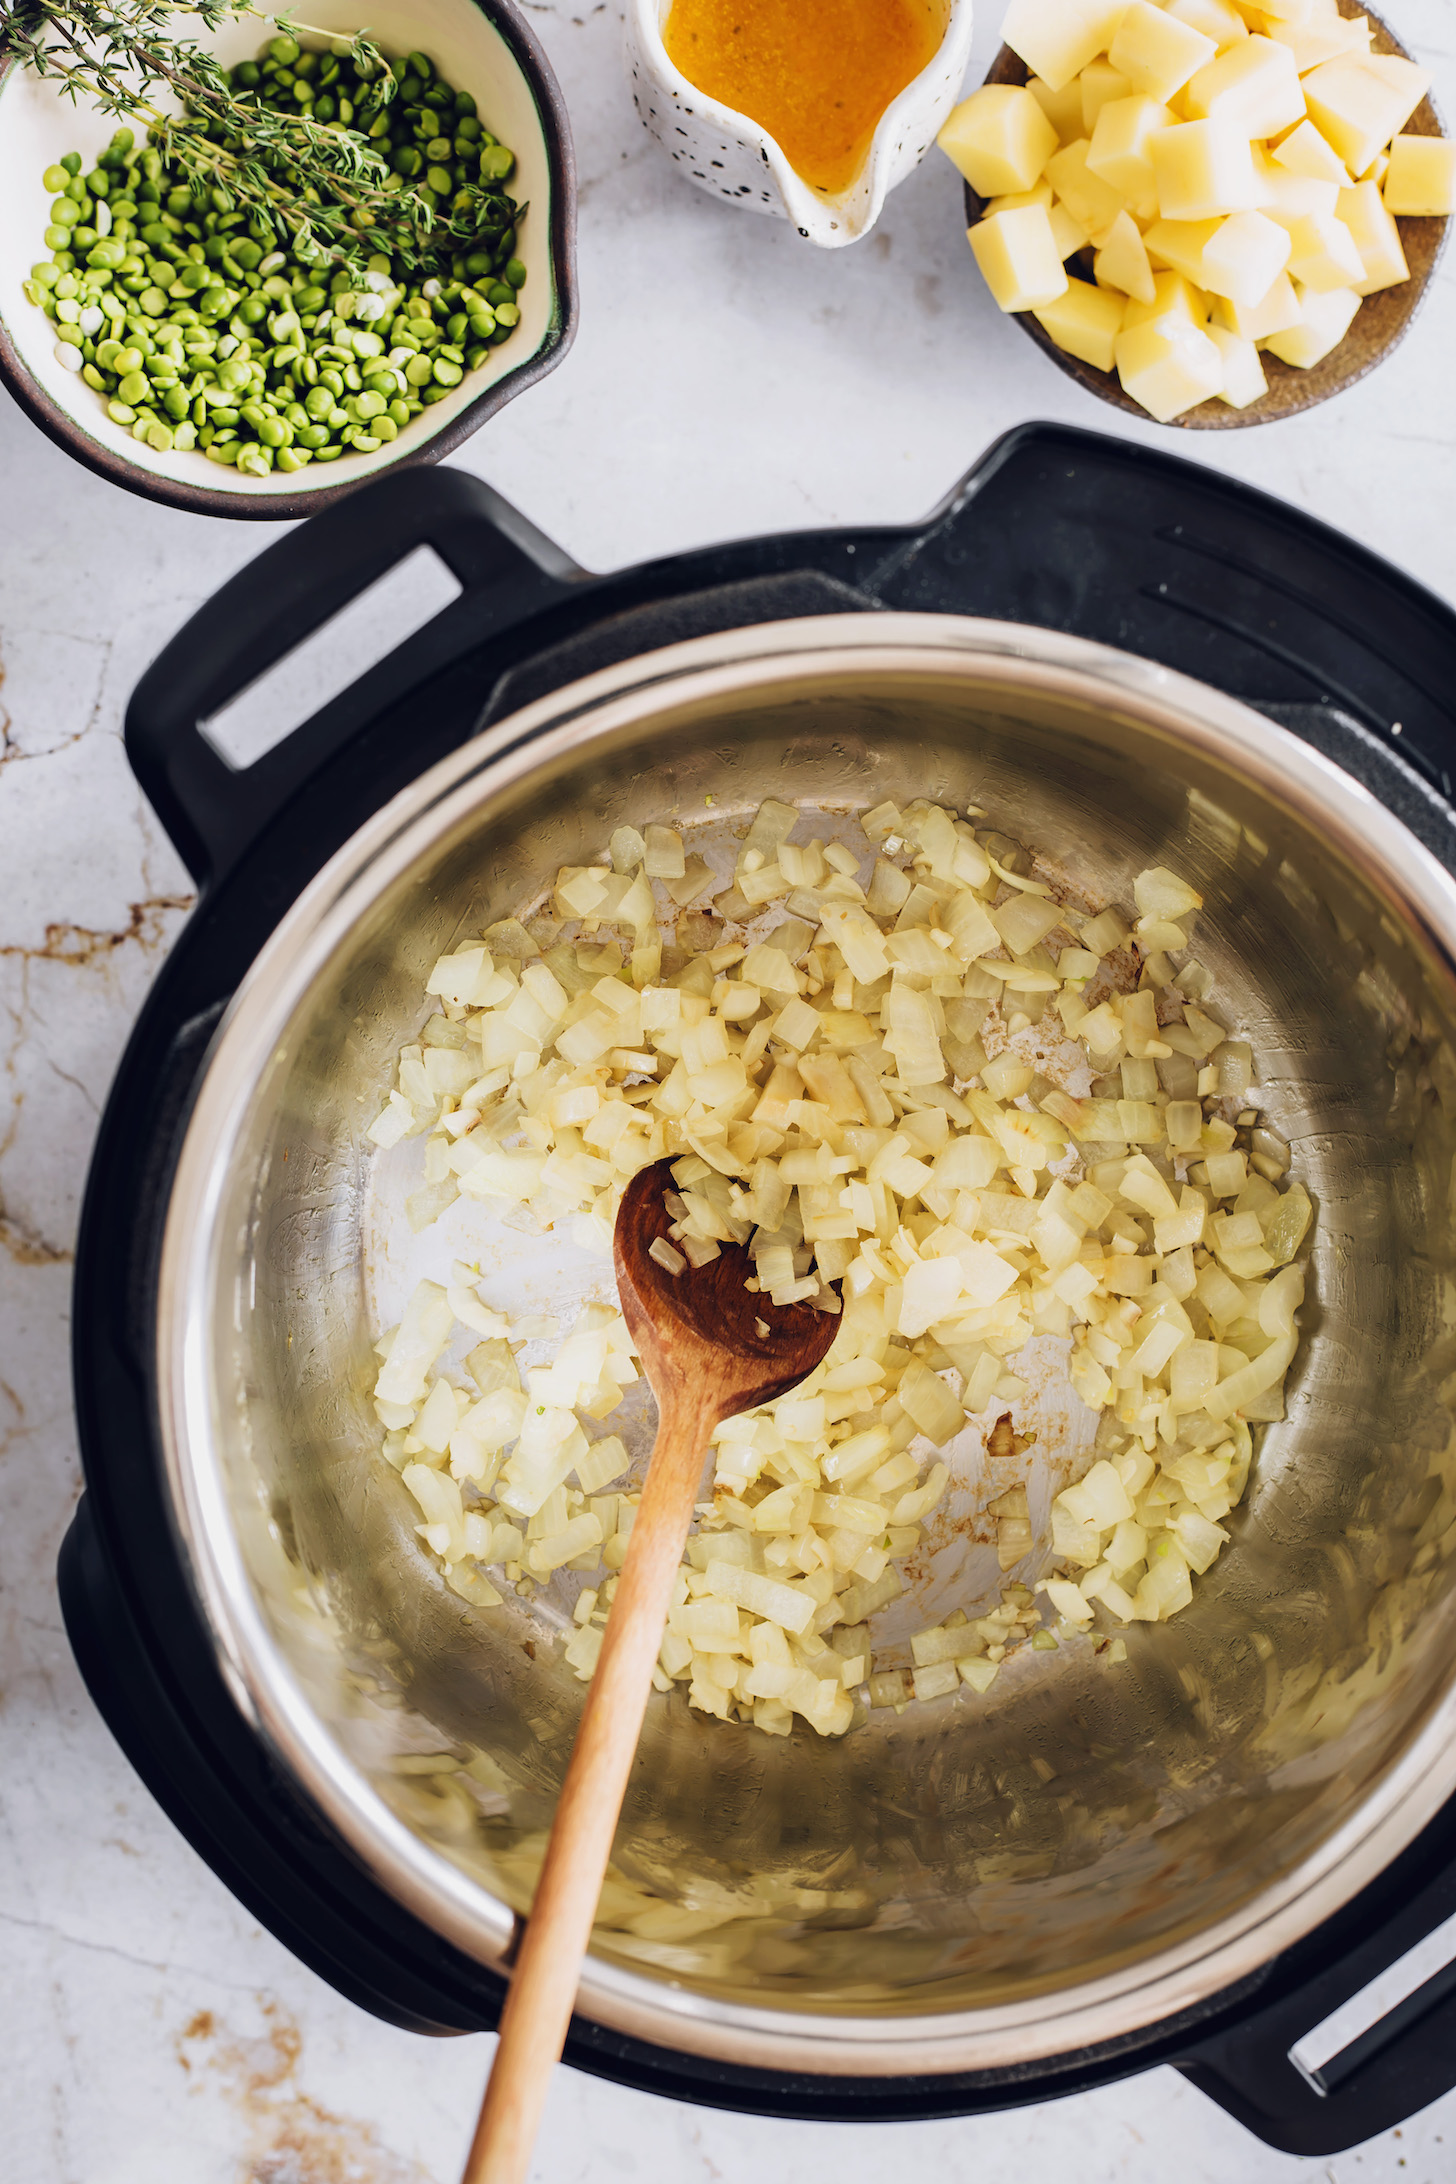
1380	324
684	1325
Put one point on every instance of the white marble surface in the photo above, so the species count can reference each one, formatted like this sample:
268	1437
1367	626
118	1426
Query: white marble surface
726	380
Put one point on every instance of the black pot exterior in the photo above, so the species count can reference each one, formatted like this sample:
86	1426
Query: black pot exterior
1056	528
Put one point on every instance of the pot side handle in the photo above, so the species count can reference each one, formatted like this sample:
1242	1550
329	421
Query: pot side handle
1354	2030
213	811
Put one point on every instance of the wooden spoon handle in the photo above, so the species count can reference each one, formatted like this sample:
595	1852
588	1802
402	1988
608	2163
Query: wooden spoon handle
544	1983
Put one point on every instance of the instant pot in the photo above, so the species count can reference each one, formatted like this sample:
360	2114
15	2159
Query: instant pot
1236	1852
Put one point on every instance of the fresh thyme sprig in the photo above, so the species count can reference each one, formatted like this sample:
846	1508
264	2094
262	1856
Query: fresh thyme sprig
322	188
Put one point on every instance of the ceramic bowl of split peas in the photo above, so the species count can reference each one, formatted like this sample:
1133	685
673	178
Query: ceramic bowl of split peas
1211	212
165	338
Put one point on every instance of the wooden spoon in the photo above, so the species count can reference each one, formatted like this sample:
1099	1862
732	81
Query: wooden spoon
698	1335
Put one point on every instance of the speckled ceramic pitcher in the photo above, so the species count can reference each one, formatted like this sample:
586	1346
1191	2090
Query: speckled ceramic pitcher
726	153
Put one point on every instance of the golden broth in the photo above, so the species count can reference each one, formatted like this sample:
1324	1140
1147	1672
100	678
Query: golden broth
816	74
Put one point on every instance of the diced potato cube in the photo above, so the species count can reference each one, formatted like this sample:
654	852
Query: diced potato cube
1287	196
1377	238
1057	38
1039	194
1243	373
1324	322
1420	181
1254	87
1321	38
1117	152
1168	366
1156	52
1063	109
1100	83
1203	170
1361	103
1305	152
1405	80
1122	262
1181	244
1323	254
1085	322
1090	200
1068	233
1173	296
1245	258
999	138
1272	314
1215	18
1018	257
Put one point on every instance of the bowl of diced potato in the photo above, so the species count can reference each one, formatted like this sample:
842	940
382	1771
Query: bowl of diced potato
1211	212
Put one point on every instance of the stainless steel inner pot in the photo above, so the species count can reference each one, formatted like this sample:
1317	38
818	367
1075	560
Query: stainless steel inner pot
1088	1848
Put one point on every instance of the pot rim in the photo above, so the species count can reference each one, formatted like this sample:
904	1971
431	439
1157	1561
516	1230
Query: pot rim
1114	2006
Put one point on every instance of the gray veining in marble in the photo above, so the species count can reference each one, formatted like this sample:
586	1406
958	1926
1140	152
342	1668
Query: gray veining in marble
726	380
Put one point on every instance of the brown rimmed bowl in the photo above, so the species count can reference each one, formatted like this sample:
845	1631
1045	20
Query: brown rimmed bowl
481	46
1380	325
